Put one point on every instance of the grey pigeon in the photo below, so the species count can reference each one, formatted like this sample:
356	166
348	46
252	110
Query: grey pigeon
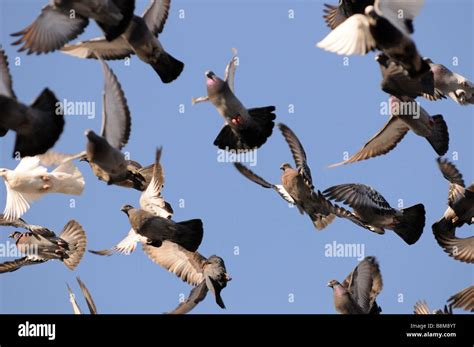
297	187
358	292
244	129
140	38
20	223
375	211
37	126
156	230
463	300
451	84
152	201
335	15
61	21
406	115
43	245
103	152
87	296
460	211
215	280
397	82
383	28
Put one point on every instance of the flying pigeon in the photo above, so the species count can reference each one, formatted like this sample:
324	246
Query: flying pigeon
61	21
405	115
103	152
87	296
358	292
335	15
44	245
37	126
244	129
463	300
154	230
151	201
449	83
20	223
206	274
29	181
380	27
460	211
140	38
375	211
297	186
397	82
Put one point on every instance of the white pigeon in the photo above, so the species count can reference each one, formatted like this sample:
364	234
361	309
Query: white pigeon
30	180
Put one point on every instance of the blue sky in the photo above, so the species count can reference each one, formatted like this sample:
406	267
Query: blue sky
280	255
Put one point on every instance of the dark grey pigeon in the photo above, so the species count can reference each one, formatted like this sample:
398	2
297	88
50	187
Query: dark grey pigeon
460	211
140	38
358	292
103	152
382	28
156	230
451	84
397	82
406	115
37	126
43	245
61	21
372	208
244	129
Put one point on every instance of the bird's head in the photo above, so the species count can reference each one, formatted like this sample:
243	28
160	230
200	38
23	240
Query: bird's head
285	166
371	12
333	283
214	83
126	208
15	235
3	172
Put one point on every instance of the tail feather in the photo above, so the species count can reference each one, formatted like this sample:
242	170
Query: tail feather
264	117
228	139
321	221
46	129
74	235
168	67
189	235
439	139
411	224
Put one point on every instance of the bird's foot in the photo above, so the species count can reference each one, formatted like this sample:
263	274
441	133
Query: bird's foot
237	120
45	178
46	187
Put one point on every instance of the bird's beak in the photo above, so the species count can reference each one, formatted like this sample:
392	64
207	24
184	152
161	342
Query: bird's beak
228	277
11	236
210	74
330	284
282	168
124	210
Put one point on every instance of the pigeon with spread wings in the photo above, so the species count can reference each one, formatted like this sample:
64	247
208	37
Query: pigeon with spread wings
372	208
244	129
297	186
358	292
406	115
381	27
460	211
152	201
62	21
103	152
37	126
334	15
140	38
43	245
87	296
30	181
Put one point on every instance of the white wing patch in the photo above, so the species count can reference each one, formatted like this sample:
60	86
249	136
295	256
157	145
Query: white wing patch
351	37
284	194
